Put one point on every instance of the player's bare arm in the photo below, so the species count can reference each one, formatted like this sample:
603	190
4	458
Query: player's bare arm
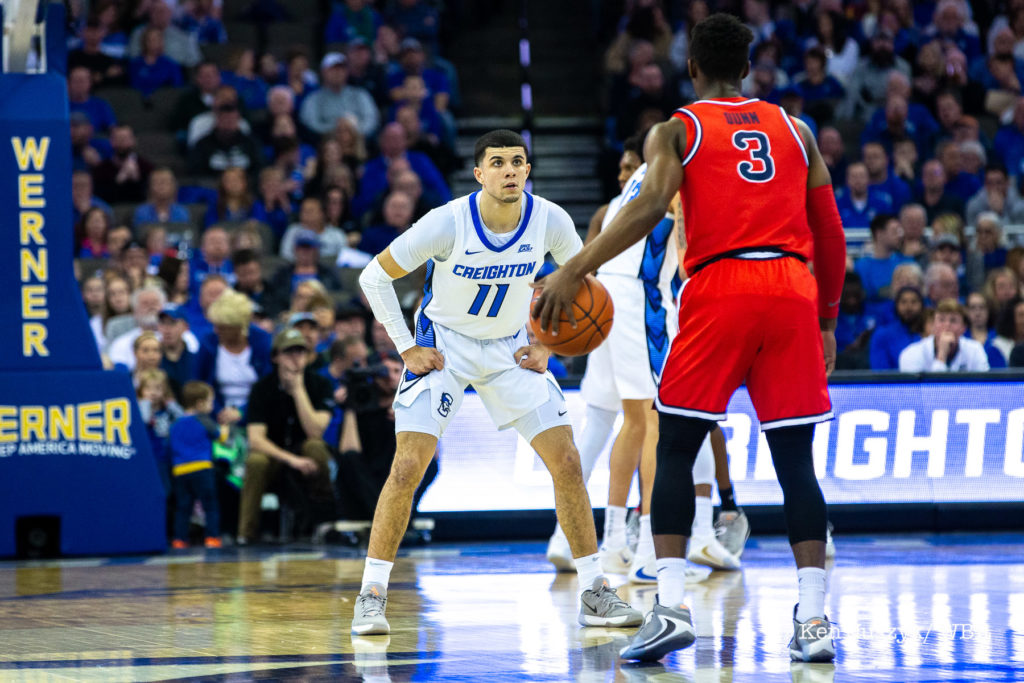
663	151
418	359
533	357
829	244
594	228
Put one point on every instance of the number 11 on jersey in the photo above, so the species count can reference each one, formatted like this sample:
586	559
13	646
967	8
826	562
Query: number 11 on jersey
481	296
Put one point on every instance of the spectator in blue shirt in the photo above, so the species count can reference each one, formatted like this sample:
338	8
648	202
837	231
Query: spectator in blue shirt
948	25
876	270
833	151
881	176
162	206
397	217
858	202
393	149
898	120
234	200
241	75
416	19
932	193
152	69
81	99
1008	144
82	197
200	18
87	152
274	206
988	240
980	316
350	19
213	256
959	184
888	341
821	91
412	61
853	319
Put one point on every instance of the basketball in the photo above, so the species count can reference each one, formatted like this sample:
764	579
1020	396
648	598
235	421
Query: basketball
594	310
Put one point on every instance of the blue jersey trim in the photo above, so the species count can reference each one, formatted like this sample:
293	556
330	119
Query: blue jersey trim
424	325
479	225
655	322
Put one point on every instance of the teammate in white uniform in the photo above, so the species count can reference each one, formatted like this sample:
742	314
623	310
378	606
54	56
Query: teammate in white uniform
482	251
623	373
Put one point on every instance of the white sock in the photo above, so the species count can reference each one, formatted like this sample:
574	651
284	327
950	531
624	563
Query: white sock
615	526
597	427
812	593
588	569
645	543
671	581
376	571
702	527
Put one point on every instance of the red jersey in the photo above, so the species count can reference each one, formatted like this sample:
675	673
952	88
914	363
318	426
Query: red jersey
745	183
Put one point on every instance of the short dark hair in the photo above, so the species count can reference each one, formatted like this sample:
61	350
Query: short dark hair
720	45
634	144
879	222
993	166
243	257
496	138
193	392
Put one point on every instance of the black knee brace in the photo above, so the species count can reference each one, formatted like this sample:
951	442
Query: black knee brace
806	516
672	504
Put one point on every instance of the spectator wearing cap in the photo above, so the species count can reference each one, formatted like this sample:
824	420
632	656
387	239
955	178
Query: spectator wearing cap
889	340
312	225
228	144
352	19
412	61
180	46
177	360
306	266
364	73
867	86
81	99
932	193
87	151
858	202
321	110
234	355
997	196
305	322
289	410
946	349
393	148
153	69
124	177
881	176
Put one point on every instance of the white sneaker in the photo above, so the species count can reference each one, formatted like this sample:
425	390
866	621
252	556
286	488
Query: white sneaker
616	560
830	546
641	571
710	553
559	553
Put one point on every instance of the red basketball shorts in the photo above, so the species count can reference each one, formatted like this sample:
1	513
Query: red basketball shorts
753	322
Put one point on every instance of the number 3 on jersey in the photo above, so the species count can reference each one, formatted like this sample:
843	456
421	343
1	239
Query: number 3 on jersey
760	168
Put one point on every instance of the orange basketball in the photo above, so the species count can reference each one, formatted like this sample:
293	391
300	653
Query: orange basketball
593	309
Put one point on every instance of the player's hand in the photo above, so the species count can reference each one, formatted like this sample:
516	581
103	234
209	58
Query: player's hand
558	290
304	465
533	357
419	360
945	345
828	341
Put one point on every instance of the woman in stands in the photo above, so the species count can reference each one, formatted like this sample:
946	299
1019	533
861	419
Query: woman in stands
234	200
980	314
91	234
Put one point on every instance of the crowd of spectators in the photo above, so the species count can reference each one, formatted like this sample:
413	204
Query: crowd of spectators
280	168
919	114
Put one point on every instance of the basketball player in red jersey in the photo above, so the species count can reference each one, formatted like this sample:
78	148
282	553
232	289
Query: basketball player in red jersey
758	206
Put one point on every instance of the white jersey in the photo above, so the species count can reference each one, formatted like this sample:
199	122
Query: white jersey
652	260
478	281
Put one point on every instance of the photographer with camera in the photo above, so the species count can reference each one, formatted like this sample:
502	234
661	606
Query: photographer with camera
367	442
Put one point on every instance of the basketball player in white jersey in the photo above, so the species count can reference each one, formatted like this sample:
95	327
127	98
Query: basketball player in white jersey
623	373
482	251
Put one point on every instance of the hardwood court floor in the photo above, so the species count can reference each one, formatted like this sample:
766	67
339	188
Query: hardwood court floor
909	608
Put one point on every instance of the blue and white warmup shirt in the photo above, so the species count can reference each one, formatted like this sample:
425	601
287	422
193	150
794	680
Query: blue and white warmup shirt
478	281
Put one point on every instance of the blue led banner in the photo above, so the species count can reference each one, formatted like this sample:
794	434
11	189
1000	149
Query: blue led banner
890	443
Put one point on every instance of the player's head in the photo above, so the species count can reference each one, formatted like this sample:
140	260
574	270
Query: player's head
720	50
501	165
631	159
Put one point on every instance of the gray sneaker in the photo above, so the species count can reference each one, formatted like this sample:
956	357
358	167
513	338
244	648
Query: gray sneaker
812	640
369	619
733	530
665	629
601	606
